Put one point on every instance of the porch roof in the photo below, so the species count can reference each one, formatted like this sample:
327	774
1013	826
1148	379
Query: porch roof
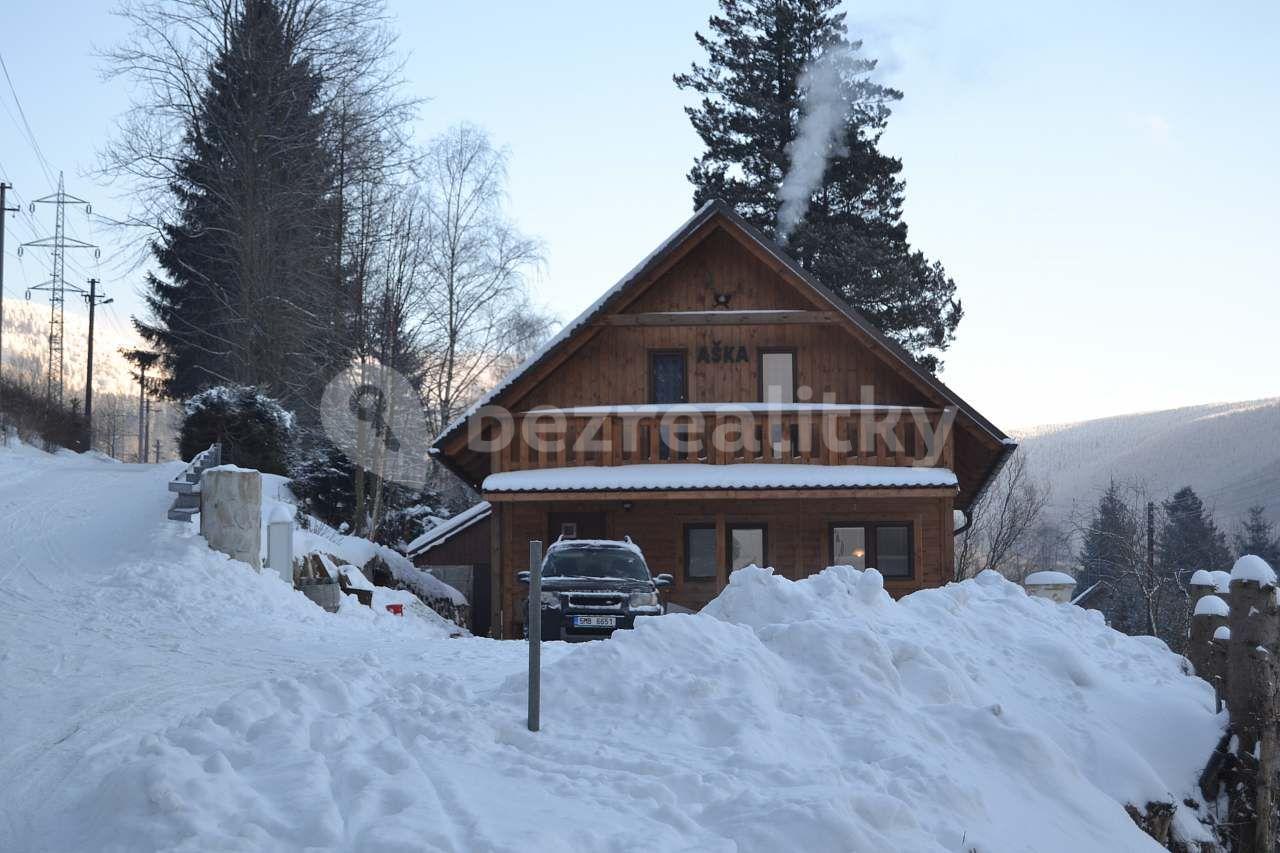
697	476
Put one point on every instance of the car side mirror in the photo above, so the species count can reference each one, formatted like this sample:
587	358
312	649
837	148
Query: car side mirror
523	577
663	581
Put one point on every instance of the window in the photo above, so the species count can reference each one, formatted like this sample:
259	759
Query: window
777	377
893	550
886	547
746	546
700	552
849	546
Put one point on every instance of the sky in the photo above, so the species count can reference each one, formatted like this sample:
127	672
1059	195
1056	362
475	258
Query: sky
1100	178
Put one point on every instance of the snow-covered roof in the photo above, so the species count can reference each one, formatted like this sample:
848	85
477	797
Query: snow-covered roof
447	529
722	409
1048	579
697	475
711	209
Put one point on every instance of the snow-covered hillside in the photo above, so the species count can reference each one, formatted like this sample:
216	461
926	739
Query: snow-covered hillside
1228	452
158	696
26	345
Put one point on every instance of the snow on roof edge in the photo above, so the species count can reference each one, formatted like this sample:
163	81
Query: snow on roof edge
449	528
701	475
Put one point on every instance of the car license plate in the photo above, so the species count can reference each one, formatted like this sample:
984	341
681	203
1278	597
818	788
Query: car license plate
595	621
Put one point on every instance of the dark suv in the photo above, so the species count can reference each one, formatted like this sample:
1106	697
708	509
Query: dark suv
592	587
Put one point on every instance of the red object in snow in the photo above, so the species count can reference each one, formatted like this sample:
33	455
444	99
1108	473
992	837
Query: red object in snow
397	609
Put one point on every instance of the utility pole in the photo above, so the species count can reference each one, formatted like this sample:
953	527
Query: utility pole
157	456
141	359
3	210
57	284
146	434
94	298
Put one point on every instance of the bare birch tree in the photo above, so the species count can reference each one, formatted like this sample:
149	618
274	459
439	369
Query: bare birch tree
1002	521
477	264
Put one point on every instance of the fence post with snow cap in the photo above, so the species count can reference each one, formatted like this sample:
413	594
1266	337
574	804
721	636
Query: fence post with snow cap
280	542
1254	625
1209	612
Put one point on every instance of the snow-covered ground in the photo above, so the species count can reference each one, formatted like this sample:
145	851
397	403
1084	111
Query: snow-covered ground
157	696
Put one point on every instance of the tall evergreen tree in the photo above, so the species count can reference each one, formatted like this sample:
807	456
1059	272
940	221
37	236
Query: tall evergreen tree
1189	539
249	287
853	237
1109	556
1257	536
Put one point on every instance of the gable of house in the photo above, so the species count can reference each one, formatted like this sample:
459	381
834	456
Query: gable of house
723	294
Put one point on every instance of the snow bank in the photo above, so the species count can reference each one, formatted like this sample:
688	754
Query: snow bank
821	714
788	715
357	551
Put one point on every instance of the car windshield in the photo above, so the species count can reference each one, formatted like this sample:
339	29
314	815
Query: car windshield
595	563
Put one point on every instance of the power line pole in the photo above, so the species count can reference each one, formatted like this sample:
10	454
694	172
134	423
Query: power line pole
94	298
146	434
3	210
57	285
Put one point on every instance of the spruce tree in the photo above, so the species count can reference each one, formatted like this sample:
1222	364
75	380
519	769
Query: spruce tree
1189	539
1109	555
248	287
853	238
1257	536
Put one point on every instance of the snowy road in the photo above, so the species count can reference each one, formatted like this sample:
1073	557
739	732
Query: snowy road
109	630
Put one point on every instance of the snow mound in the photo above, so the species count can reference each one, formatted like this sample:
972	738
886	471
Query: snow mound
821	714
788	715
1251	567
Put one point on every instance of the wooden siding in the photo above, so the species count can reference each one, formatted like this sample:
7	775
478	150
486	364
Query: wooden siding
798	538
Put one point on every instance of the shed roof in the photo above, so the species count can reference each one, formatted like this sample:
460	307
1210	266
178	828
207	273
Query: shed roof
449	528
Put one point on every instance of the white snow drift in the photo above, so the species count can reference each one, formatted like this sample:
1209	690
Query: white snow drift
815	715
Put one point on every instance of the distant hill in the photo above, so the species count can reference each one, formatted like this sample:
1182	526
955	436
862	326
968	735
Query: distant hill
1228	452
26	346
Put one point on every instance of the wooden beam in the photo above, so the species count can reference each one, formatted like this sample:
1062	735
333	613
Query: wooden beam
783	317
722	494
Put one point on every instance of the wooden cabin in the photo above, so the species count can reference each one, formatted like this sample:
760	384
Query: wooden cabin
722	408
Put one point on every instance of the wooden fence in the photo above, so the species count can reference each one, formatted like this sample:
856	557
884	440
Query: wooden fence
1234	644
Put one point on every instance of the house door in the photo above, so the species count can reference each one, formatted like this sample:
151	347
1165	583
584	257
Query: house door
667	377
667	385
575	525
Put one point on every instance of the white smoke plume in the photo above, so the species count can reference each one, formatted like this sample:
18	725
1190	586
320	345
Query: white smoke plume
822	120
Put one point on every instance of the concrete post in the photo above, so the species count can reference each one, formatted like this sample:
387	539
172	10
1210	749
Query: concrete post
231	512
1055	586
280	543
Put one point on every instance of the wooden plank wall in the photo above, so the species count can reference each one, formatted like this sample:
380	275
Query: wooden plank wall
613	367
797	532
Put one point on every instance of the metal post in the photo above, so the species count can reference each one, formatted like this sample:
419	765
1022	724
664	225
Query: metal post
535	632
3	210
